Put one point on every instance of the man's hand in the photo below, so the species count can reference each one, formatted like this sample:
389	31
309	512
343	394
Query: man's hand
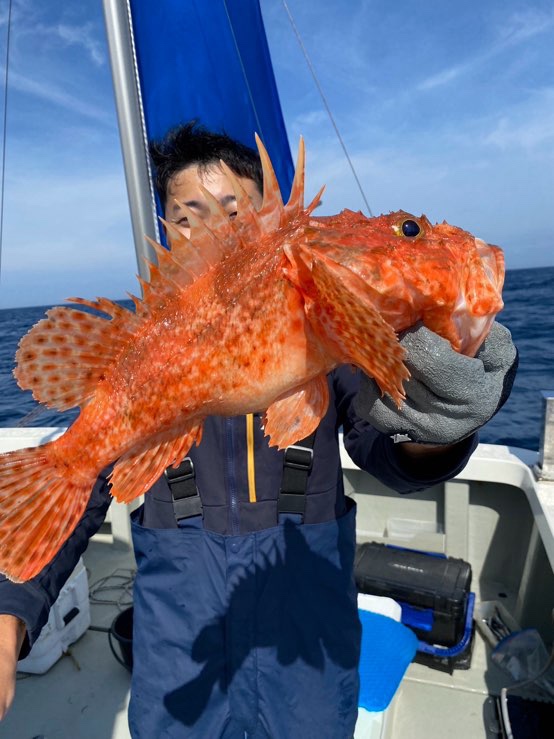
12	634
449	395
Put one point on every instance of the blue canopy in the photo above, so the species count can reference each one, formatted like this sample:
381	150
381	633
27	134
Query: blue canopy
209	60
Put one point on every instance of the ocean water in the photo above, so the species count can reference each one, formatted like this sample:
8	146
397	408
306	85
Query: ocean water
528	313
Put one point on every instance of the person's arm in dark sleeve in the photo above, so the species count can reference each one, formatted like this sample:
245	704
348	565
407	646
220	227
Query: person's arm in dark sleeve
376	453
31	601
449	396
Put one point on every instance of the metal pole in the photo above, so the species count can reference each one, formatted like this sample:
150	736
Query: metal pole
132	129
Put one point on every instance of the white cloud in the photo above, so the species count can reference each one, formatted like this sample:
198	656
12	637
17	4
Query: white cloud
67	223
522	25
523	125
28	22
82	36
51	93
449	75
526	134
309	119
530	127
515	29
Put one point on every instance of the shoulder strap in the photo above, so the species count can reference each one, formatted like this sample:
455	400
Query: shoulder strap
297	465
184	492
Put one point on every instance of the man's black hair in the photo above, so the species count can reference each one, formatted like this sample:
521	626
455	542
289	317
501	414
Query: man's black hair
192	144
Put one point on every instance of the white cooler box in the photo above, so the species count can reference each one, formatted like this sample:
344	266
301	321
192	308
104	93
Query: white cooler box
69	619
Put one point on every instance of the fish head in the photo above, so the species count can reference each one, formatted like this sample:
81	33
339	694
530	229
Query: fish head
438	274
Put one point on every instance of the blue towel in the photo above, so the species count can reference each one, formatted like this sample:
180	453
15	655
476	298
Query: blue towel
388	647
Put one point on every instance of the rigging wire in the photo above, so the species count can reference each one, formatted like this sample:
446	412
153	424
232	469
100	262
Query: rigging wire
243	69
326	104
4	131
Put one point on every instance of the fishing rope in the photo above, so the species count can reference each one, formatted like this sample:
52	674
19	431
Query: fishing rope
326	104
4	130
118	586
119	583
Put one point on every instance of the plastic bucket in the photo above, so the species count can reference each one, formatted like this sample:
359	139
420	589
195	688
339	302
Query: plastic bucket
121	631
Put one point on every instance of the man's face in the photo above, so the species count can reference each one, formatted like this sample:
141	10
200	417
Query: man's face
184	187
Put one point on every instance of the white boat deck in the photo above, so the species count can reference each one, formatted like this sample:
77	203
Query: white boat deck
85	694
495	515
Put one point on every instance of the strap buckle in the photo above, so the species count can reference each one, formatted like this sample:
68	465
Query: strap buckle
299	457
182	473
184	493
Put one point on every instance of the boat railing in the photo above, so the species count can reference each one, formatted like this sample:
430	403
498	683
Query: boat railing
532	472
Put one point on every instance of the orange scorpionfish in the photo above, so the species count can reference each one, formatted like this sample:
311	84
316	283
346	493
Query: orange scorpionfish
248	314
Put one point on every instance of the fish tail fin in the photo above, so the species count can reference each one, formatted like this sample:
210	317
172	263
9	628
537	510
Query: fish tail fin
40	505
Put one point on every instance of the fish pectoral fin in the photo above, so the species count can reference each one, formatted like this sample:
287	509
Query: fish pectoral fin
136	471
341	308
297	414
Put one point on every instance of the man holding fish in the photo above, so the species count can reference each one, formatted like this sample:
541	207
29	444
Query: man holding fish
245	612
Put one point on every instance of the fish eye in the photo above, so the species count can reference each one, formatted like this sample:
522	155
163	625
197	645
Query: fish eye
410	228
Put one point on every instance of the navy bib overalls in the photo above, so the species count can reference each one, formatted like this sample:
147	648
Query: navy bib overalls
251	635
245	619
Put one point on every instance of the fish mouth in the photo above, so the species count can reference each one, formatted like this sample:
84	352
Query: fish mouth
492	259
471	321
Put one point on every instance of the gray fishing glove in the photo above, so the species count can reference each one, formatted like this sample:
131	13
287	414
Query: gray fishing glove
449	395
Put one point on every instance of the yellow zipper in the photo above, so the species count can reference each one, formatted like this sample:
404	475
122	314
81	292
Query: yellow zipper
250	458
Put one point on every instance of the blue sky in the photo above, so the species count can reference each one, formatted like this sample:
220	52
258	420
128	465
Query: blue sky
446	109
